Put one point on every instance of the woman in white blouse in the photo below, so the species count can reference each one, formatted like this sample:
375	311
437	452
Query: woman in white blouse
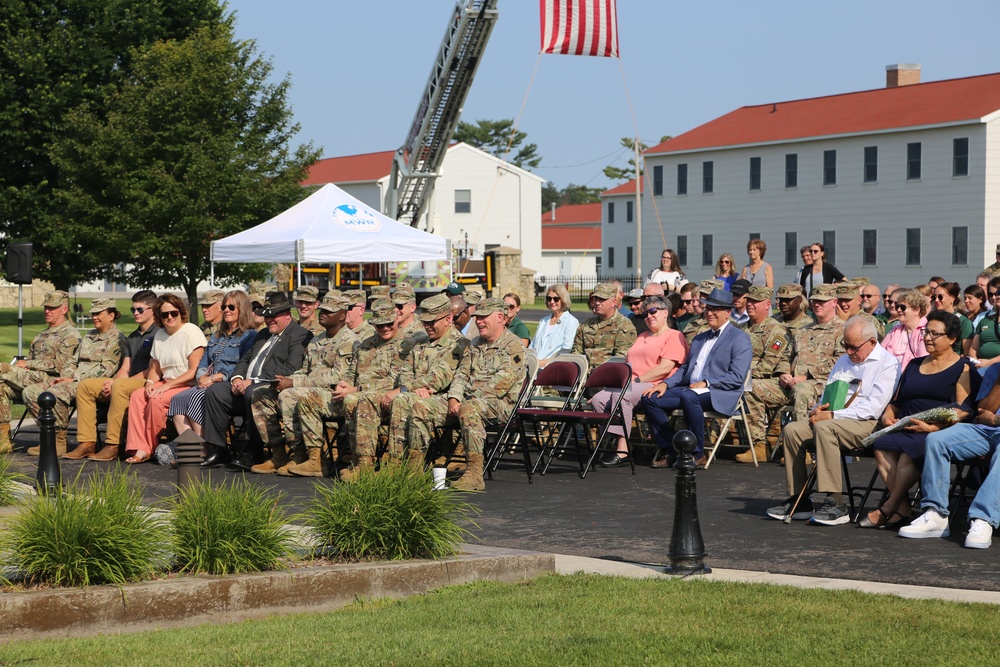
177	350
556	331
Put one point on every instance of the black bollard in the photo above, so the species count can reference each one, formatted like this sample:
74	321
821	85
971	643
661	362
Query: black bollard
48	480
188	459
687	549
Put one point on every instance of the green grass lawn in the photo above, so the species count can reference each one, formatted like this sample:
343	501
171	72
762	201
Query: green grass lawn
572	620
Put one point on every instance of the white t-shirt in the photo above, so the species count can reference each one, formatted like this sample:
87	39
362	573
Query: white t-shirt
674	279
173	351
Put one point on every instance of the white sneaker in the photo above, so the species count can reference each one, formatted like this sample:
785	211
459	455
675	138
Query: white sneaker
980	535
928	524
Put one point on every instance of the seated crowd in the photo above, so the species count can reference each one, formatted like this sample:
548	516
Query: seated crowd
460	359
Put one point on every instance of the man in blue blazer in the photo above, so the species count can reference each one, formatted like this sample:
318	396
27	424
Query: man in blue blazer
712	378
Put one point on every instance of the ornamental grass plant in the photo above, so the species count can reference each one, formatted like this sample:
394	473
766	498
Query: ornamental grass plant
95	532
231	528
8	482
393	514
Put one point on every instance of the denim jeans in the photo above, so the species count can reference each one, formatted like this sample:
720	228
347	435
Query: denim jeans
959	443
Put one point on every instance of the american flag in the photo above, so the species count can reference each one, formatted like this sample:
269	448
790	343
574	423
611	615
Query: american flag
580	27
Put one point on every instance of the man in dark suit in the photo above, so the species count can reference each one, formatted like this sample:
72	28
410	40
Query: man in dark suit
279	350
712	378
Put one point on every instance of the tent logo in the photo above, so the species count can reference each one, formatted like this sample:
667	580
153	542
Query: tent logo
361	220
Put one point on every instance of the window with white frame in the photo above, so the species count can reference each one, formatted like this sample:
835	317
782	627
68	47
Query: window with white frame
463	201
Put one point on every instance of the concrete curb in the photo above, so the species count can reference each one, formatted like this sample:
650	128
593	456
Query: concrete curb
197	600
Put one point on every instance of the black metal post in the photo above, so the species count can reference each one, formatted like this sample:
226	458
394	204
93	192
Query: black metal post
188	459
48	479
687	549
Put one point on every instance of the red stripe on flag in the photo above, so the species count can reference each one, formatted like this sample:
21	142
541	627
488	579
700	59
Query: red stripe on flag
579	27
610	31
568	31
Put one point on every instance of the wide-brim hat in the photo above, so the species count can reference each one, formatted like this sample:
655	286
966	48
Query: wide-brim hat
719	298
275	303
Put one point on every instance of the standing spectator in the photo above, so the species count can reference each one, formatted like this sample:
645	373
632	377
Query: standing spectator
669	272
725	270
512	306
807	261
177	350
822	271
555	332
757	271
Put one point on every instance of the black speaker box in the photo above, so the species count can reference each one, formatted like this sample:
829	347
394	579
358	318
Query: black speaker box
19	263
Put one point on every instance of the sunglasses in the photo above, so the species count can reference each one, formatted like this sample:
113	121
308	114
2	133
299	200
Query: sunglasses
891	303
511	306
787	299
686	300
815	252
855	348
229	306
901	307
554	299
652	311
938	297
886	296
869	296
170	314
992	294
723	261
384	326
138	311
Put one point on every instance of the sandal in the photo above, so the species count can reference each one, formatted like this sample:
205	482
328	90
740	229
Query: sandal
881	522
903	521
138	457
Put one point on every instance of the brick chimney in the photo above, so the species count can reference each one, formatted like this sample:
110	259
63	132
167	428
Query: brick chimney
901	75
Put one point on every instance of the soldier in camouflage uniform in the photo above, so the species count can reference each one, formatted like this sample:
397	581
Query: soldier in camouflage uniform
697	324
374	367
483	390
356	314
306	303
849	305
211	311
405	301
771	344
49	353
99	355
328	360
994	268
429	372
791	312
817	349
608	333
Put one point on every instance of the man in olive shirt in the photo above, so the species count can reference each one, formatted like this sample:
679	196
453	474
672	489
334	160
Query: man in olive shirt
608	333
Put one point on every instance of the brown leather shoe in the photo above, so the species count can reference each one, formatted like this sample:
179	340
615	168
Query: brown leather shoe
82	450
663	459
700	463
107	453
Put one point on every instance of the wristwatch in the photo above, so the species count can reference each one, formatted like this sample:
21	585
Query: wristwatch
403	389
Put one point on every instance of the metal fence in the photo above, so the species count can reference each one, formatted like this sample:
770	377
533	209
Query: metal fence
581	286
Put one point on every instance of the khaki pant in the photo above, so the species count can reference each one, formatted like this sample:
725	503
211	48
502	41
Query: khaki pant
87	396
829	436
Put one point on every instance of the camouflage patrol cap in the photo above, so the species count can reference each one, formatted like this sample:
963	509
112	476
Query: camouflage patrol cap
760	293
258	297
604	291
490	306
473	298
308	293
212	297
790	290
334	301
861	281
435	307
403	294
706	286
56	298
100	305
379	292
823	292
355	296
383	312
847	290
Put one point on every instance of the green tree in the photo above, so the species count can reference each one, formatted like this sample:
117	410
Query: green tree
501	139
579	194
195	146
616	173
54	56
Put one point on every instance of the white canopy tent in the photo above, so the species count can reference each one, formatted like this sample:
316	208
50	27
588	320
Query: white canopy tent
327	227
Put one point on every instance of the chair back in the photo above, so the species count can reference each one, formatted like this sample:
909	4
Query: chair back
531	363
610	375
561	375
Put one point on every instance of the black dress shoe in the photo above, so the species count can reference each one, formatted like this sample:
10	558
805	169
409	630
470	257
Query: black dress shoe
243	462
614	460
217	457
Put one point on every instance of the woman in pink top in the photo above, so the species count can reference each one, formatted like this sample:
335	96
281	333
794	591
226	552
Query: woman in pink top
905	340
655	356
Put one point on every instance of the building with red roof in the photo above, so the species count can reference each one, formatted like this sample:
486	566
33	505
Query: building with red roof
571	242
900	183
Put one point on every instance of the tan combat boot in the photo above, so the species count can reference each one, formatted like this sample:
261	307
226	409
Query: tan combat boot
60	444
472	480
415	461
458	466
83	450
279	459
311	467
6	447
747	457
351	474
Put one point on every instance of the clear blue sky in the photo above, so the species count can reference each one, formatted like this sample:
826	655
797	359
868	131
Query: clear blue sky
358	68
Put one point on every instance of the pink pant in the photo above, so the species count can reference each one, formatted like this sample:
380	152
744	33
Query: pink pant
147	418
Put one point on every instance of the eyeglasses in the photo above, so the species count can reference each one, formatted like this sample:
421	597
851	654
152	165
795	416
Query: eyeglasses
652	311
229	306
553	299
855	348
170	314
901	307
138	311
933	335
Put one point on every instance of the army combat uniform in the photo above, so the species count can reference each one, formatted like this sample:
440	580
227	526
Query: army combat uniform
50	352
599	340
771	357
